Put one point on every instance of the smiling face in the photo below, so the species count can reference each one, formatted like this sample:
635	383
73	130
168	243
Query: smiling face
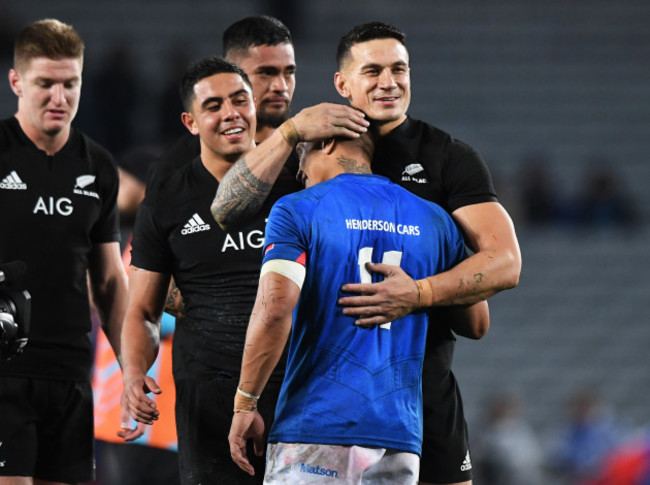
272	72
223	115
48	93
375	78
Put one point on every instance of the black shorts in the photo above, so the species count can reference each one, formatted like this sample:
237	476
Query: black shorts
135	464
46	429
203	417
445	447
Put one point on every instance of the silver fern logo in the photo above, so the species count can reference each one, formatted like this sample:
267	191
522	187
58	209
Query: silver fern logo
410	172
81	183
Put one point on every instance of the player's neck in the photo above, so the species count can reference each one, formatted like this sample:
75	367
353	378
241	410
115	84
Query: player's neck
217	164
49	143
385	128
351	163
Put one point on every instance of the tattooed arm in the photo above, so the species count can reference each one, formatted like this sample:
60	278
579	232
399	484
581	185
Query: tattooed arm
174	304
243	190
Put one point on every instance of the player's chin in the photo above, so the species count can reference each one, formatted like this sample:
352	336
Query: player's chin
388	114
235	151
54	128
273	117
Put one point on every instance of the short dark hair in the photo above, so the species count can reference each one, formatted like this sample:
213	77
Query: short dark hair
364	33
206	67
253	31
49	38
366	142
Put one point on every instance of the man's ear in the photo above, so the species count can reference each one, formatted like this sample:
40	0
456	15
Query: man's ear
341	85
190	124
14	82
327	145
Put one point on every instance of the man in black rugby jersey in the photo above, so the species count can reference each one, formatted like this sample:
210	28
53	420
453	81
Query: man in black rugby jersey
216	271
263	47
374	76
59	213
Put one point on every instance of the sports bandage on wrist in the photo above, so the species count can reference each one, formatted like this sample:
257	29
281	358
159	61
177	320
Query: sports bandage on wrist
245	402
425	290
289	133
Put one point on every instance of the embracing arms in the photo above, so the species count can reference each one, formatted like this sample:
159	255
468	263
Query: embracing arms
245	187
494	267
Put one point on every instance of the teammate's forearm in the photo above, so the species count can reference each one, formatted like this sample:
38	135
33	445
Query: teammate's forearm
247	184
477	278
140	343
245	187
110	301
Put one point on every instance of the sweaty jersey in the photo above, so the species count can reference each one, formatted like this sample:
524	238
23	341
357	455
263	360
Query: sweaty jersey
216	271
54	210
344	384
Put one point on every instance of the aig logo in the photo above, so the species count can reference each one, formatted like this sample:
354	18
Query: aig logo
50	206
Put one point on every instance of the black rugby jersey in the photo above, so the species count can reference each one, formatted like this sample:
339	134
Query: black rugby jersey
216	271
54	210
431	164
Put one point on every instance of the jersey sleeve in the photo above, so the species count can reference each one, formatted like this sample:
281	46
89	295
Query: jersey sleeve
283	237
467	178
150	250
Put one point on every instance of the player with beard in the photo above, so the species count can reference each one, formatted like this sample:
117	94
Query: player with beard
262	46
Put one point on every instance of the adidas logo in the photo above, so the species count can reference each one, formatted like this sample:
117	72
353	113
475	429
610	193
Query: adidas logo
467	463
195	224
13	182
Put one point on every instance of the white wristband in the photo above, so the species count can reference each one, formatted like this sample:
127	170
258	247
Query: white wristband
247	394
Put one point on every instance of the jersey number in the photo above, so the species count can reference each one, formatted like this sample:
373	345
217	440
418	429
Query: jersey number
394	258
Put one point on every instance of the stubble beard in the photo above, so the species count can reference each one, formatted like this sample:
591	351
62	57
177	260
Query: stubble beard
264	118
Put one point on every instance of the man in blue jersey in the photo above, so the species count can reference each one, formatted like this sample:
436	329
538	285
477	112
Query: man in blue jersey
350	406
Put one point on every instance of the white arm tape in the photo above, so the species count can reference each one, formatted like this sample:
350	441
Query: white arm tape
289	269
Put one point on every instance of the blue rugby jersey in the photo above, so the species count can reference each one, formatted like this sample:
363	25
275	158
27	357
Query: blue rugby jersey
345	384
